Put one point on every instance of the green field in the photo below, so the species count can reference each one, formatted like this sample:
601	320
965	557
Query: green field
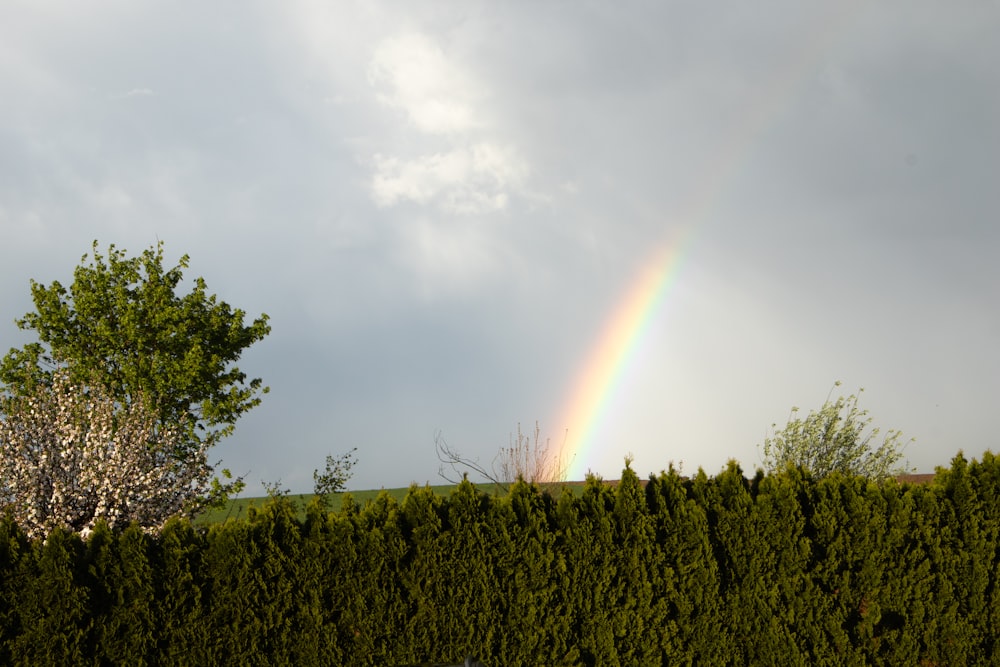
237	508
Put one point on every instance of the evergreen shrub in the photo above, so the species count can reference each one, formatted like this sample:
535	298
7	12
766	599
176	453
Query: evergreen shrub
779	569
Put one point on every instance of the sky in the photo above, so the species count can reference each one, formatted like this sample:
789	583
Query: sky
650	227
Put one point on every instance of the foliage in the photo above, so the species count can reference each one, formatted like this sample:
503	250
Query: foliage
275	491
334	477
834	439
786	568
70	455
122	324
338	471
525	458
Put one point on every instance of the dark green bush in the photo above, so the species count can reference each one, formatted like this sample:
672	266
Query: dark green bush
782	569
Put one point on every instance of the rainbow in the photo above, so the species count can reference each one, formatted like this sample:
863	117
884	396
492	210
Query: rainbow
613	356
606	367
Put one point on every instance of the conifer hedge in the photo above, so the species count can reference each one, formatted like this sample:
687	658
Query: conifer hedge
782	569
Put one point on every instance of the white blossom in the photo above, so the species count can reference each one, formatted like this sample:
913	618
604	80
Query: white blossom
70	455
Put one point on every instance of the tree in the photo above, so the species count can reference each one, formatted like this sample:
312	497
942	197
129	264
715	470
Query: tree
530	459
834	440
335	475
70	455
122	324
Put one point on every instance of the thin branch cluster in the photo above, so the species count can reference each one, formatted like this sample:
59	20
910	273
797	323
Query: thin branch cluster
71	455
334	477
528	458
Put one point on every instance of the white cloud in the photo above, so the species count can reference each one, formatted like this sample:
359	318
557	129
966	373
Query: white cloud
471	172
416	77
464	180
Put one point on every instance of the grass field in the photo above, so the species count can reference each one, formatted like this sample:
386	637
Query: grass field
237	508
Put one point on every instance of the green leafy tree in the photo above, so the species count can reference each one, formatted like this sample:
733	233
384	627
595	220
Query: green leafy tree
334	477
122	323
835	439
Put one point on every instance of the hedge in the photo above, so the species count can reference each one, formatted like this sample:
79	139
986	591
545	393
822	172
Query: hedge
782	569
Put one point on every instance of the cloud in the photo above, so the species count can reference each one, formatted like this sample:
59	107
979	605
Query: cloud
462	181
450	258
471	172
441	207
415	76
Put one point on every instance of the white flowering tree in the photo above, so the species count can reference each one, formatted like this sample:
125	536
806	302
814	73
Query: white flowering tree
127	324
71	455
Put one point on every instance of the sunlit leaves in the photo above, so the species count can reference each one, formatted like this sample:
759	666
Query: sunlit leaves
123	321
835	439
126	324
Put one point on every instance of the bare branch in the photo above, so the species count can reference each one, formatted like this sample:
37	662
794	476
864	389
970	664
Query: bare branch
451	459
526	457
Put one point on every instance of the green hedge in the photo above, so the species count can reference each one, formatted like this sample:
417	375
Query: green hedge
720	570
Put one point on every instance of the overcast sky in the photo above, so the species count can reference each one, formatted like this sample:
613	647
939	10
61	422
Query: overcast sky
442	205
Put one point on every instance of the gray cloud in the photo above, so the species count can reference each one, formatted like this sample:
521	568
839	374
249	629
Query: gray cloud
440	208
